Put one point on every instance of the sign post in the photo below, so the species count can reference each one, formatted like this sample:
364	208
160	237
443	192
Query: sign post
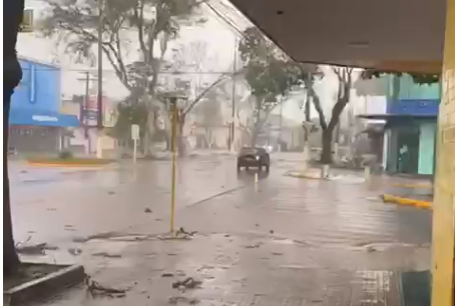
135	136
173	105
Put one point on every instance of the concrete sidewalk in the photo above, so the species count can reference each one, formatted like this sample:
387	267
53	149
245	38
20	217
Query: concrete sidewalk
283	241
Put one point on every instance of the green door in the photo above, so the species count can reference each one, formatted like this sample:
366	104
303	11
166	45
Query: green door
408	151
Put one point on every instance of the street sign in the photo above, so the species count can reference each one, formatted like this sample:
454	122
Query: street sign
135	132
27	21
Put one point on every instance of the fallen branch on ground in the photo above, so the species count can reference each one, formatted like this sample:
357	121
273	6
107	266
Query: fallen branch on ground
95	289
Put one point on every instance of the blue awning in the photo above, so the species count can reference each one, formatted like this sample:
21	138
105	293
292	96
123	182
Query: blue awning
20	116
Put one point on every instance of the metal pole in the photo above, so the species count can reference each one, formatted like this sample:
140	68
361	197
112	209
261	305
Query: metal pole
100	69
308	99
234	69
135	150
84	116
174	163
281	126
85	104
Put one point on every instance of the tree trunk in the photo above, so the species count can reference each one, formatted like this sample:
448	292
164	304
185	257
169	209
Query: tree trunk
10	257
326	155
149	133
181	145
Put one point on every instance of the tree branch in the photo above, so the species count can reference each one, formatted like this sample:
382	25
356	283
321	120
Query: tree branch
203	93
316	103
209	88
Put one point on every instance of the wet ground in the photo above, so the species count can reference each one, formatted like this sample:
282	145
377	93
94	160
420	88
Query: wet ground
282	241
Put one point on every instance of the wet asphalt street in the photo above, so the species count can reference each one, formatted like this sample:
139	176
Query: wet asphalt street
282	241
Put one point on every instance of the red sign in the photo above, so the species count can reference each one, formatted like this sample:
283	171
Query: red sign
92	103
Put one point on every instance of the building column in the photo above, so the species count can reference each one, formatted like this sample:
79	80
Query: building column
444	202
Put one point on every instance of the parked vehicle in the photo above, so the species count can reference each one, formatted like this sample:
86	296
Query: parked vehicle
253	157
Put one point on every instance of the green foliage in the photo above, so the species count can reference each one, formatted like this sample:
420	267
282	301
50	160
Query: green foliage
269	72
128	115
76	23
65	155
418	78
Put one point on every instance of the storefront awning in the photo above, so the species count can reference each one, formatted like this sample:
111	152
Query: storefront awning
42	118
395	116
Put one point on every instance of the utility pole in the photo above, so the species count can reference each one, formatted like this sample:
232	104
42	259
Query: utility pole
308	99
99	153
281	126
100	68
84	110
234	70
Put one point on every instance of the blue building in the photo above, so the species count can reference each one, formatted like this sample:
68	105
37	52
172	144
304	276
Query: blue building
36	124
411	125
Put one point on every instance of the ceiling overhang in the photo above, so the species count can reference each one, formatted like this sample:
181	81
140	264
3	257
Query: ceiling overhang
401	35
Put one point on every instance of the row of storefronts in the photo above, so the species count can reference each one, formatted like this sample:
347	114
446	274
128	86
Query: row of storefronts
410	126
36	123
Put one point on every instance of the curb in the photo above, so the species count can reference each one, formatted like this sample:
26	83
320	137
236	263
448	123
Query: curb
415	185
45	286
65	165
388	198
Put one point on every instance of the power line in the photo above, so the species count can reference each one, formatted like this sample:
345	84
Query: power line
223	18
113	71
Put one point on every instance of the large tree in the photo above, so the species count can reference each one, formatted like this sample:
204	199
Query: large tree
269	73
142	26
328	126
418	78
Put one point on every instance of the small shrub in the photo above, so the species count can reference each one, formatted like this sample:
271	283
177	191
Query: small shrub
65	155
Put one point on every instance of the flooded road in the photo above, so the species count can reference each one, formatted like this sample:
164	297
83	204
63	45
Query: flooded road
282	241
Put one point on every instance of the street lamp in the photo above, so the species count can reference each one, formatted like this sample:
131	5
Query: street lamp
173	107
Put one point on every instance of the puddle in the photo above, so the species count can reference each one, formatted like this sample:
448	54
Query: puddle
109	247
347	179
283	241
386	246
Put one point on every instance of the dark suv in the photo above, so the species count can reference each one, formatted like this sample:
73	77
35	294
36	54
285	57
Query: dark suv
253	157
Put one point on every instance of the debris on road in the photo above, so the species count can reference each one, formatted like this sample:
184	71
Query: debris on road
180	234
106	255
167	275
182	231
75	251
95	289
188	283
148	210
253	246
35	249
183	299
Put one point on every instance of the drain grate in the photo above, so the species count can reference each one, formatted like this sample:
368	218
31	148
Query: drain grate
415	288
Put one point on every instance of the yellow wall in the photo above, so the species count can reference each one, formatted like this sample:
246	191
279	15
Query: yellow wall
444	204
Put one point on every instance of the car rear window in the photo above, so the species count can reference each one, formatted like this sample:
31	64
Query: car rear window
248	151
